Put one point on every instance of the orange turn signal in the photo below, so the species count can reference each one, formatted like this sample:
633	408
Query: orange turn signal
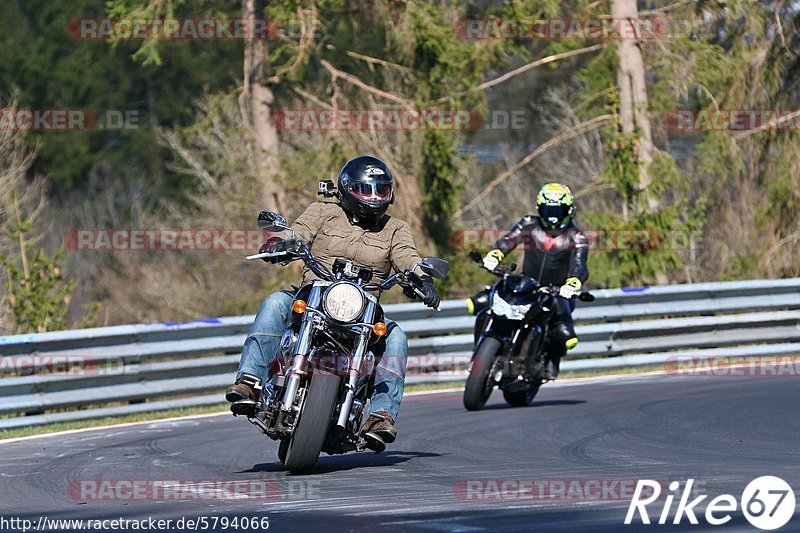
379	329
299	306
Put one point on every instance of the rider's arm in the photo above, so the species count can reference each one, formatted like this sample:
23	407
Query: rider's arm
514	236
403	253
309	222
505	244
577	262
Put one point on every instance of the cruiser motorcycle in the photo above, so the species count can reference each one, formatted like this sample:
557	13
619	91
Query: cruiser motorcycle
511	326
323	376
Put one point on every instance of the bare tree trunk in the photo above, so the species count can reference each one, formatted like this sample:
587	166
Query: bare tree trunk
259	99
633	99
632	87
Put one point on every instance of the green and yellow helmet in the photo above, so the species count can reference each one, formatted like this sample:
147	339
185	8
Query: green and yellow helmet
556	205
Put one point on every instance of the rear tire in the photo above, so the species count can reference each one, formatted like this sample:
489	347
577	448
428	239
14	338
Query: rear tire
522	398
313	423
479	383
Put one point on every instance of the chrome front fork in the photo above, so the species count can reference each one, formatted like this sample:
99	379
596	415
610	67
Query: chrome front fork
355	366
298	368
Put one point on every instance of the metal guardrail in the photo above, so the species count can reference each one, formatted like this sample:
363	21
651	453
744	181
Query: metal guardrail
135	366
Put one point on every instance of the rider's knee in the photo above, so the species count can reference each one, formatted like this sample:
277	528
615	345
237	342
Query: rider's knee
397	339
273	315
479	302
571	343
276	300
564	335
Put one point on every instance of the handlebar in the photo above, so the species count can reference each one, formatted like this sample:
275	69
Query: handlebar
552	290
404	279
311	262
502	270
302	252
264	255
499	271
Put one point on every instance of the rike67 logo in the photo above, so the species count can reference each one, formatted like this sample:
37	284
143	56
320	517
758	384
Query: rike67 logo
767	503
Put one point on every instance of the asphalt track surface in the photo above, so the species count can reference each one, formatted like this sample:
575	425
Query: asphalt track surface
720	431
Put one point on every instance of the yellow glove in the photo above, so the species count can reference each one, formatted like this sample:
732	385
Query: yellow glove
570	287
493	259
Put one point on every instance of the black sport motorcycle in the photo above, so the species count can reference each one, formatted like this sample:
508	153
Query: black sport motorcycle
511	339
323	376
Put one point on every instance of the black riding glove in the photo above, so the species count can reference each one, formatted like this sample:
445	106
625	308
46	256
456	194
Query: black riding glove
276	244
431	298
269	247
409	291
423	284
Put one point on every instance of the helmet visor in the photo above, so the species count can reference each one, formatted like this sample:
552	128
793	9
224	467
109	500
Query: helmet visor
554	216
371	192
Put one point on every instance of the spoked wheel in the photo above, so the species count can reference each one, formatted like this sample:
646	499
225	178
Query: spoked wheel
312	426
480	382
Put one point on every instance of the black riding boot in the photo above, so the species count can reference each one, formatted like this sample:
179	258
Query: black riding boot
562	337
553	363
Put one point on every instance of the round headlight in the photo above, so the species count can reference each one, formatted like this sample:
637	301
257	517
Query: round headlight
343	302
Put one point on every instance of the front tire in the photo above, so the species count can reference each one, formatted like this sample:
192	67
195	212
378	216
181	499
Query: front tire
479	383
522	398
313	423
282	449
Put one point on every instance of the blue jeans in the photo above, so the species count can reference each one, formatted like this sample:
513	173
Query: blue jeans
274	318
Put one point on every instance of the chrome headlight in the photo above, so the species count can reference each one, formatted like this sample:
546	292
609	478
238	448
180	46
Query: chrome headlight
503	308
344	301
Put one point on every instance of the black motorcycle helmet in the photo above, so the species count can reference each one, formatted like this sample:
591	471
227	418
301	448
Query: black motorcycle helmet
366	189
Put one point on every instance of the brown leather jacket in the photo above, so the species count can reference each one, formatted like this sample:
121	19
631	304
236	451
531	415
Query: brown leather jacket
386	248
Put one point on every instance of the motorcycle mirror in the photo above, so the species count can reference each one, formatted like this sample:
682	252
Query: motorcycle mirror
434	267
586	297
267	220
476	256
511	267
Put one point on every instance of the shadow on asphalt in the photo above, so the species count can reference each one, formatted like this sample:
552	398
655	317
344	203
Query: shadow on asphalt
336	463
543	403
